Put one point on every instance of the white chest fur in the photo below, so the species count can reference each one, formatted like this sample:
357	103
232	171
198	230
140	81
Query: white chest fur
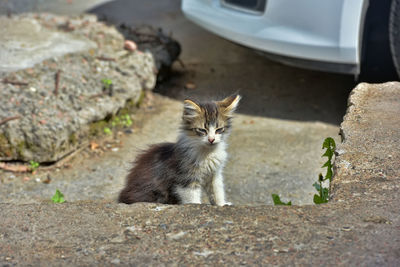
210	162
205	168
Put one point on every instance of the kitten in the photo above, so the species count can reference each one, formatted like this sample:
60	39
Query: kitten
176	173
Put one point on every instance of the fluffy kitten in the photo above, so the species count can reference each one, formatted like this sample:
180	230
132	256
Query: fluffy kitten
176	173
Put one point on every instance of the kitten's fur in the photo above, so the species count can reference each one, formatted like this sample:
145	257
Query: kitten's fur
176	173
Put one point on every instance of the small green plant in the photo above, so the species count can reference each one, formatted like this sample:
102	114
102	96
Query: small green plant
33	165
277	200
107	83
107	130
123	120
324	192
58	197
127	120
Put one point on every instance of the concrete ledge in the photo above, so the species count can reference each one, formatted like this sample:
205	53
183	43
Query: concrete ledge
63	93
360	226
368	160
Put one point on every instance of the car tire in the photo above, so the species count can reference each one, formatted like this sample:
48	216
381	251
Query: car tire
376	56
394	34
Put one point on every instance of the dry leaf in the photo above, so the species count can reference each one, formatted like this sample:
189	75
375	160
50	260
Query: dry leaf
93	145
190	86
47	180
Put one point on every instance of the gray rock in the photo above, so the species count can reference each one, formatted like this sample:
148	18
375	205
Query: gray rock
56	114
24	42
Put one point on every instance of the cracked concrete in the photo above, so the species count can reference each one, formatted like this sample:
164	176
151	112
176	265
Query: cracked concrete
359	226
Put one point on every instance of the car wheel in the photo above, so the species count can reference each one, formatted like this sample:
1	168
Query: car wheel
376	58
394	34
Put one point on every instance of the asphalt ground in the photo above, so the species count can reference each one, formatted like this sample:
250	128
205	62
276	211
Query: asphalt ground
283	118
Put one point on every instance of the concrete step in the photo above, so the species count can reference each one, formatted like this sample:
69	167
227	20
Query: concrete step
360	226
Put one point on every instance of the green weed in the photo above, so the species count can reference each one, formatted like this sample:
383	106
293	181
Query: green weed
33	165
123	120
277	200
107	130
58	197
106	83
324	192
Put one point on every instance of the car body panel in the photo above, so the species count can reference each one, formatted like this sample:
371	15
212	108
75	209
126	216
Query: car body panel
309	30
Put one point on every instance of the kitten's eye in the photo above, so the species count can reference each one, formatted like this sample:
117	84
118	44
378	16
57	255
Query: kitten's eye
201	131
220	130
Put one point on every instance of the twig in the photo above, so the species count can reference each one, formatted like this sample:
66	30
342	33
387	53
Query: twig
9	119
181	63
106	58
57	82
65	159
58	164
150	35
97	95
14	167
15	82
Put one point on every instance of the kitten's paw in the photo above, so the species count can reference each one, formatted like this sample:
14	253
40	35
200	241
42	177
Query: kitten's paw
226	203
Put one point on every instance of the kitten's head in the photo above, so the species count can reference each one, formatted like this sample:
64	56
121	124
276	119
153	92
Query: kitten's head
208	123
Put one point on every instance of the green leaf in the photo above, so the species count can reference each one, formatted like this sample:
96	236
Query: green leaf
33	165
128	121
328	174
107	130
328	153
319	200
317	186
327	164
277	200
329	143
106	82
58	197
325	193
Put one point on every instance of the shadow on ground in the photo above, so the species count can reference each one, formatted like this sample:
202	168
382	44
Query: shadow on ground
217	68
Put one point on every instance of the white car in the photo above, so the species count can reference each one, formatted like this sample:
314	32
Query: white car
358	37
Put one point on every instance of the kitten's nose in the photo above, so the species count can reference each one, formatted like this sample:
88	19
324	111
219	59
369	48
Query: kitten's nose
211	140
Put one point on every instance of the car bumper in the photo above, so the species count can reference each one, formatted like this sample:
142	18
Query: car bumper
306	33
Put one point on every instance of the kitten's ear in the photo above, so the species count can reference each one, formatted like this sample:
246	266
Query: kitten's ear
229	104
190	109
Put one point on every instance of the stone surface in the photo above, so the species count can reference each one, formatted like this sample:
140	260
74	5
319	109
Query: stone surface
368	161
55	117
64	7
87	233
283	118
263	159
360	226
25	42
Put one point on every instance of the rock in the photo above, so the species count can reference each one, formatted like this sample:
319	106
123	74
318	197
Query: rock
57	115
175	236
130	45
164	48
369	155
24	42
